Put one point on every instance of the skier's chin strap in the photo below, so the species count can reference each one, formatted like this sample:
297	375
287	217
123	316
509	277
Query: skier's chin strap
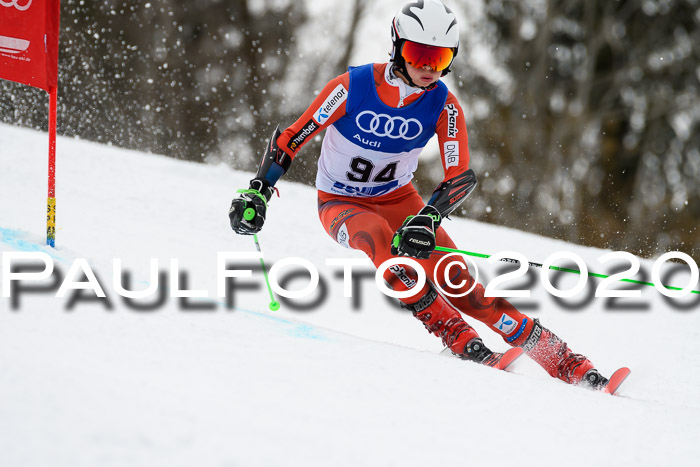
403	74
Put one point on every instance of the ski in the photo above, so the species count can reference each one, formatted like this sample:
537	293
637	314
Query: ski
502	361
616	380
497	360
607	386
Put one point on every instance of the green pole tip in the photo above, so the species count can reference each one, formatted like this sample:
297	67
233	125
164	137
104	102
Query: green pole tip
249	214
274	306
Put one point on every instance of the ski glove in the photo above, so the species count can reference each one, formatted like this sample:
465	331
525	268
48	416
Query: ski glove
247	213
416	237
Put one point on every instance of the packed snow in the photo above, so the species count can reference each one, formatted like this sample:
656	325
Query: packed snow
203	381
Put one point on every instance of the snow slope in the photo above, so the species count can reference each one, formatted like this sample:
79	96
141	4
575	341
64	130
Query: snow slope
86	382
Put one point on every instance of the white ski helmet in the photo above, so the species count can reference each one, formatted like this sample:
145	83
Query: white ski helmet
426	22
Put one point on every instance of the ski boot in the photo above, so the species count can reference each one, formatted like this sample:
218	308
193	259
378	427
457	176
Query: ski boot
440	319
555	356
443	321
572	367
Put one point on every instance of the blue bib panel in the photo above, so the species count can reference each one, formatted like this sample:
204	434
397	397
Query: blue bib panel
373	125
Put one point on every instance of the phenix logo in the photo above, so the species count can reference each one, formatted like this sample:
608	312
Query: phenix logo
400	272
452	114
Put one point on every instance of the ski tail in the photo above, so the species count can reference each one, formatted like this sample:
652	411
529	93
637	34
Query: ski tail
508	357
502	361
497	360
616	380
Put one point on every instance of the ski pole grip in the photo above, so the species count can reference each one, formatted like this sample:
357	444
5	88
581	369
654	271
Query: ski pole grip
249	214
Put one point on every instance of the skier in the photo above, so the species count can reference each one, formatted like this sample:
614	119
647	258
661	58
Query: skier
377	118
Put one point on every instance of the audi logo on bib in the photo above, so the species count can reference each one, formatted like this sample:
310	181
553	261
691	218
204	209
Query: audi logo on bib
384	125
21	5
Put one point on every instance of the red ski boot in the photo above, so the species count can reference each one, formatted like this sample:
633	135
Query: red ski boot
555	356
445	322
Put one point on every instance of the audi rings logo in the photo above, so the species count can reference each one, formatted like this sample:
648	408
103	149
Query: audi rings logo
21	5
384	125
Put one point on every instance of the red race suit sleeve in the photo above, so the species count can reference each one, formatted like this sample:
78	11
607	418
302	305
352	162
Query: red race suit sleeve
452	137
325	109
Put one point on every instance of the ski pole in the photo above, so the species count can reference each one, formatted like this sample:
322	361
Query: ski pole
248	215
555	268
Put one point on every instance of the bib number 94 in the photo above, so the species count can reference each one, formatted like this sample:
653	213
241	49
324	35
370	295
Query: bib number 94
361	170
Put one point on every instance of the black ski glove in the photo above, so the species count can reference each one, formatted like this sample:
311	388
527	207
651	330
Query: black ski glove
247	213
416	237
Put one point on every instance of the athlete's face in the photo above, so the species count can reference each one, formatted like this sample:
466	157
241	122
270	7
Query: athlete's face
423	77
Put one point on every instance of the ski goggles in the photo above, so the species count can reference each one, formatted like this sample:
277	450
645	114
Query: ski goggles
421	55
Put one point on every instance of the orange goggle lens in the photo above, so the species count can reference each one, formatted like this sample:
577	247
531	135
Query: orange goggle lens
420	55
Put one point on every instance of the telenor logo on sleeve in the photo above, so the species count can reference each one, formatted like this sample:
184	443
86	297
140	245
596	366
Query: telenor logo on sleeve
336	98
